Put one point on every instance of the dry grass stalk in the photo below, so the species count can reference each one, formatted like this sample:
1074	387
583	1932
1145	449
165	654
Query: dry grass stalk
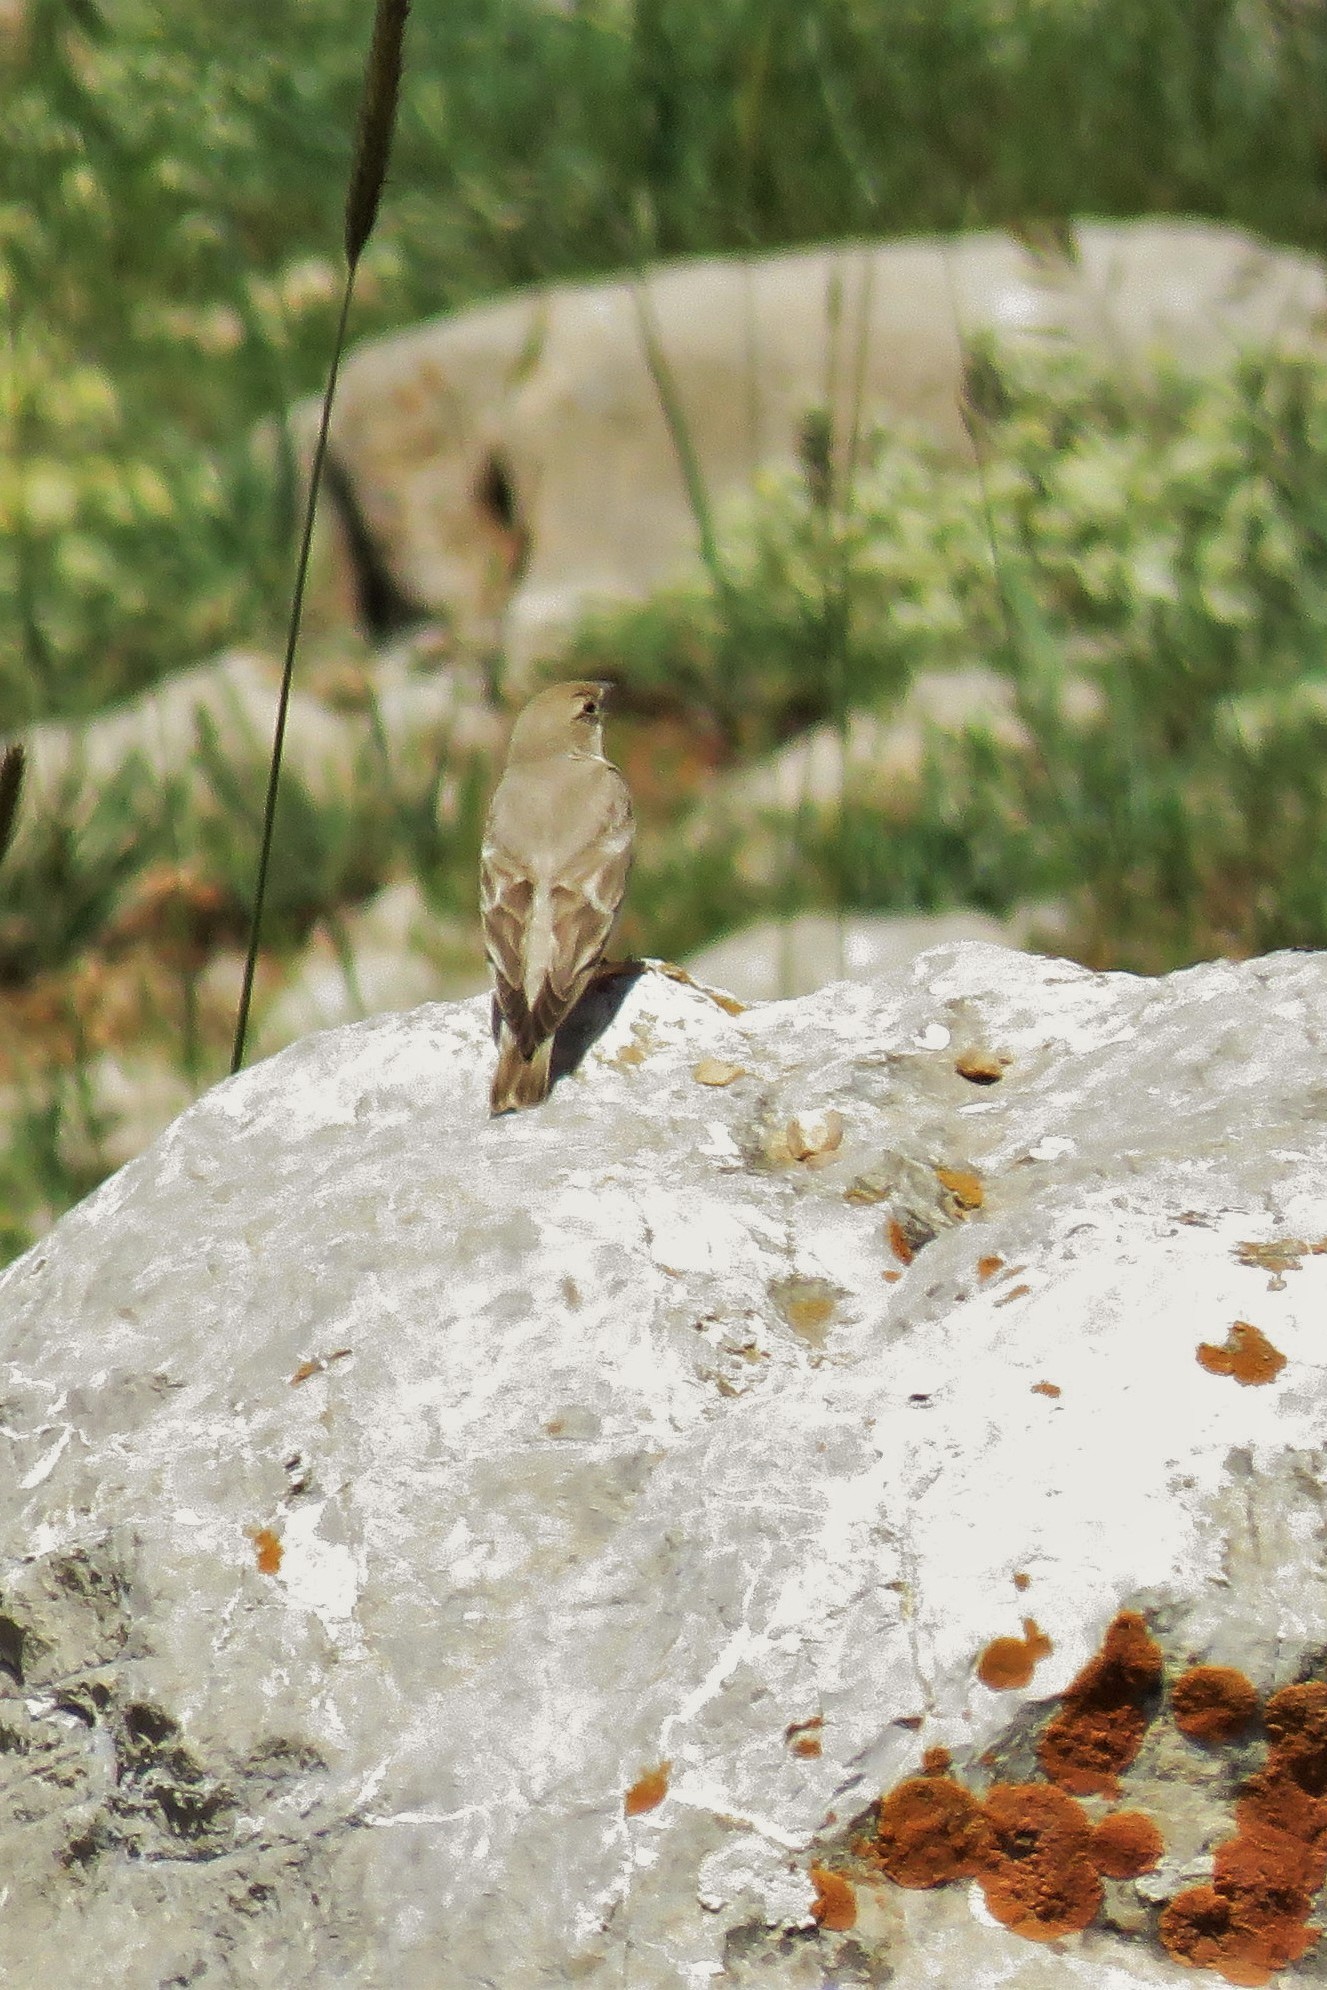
373	143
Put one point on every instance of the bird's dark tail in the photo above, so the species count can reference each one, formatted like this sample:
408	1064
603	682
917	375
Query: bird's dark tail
520	1081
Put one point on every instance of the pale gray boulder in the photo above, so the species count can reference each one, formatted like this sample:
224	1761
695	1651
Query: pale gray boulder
512	465
390	1489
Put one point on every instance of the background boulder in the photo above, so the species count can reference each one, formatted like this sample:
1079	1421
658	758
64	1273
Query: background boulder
511	465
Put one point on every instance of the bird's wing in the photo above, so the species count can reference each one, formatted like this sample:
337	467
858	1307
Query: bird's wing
585	899
506	894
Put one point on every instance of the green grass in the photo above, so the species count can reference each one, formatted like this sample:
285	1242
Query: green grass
170	215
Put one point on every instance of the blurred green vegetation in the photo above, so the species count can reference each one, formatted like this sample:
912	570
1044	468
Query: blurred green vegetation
172	177
1145	568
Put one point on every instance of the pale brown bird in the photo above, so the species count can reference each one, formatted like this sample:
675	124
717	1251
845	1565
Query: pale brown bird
557	850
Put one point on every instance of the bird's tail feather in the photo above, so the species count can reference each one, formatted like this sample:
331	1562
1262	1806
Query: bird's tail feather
520	1081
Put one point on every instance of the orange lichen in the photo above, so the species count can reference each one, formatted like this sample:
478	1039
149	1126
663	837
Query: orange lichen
648	1791
898	1242
305	1369
1248	1356
1015	1292
1253	1918
803	1737
963	1185
835	1904
1101	1723
936	1761
1041	1880
987	1267
1022	1581
930	1830
1047	1389
1213	1703
267	1550
1007	1663
1126	1844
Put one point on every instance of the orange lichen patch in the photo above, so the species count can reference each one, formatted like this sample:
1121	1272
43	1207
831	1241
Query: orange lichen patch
648	1791
898	1242
1126	1844
936	1762
1101	1723
980	1067
987	1267
1015	1292
930	1830
803	1737
1041	1880
1253	1918
1047	1389
267	1550
891	1277
963	1186
1022	1581
1296	1720
1213	1703
1208	1929
835	1904
1008	1663
1248	1355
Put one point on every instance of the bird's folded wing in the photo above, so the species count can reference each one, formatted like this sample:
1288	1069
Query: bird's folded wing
585	903
506	893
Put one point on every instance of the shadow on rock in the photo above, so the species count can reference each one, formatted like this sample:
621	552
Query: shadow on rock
593	1014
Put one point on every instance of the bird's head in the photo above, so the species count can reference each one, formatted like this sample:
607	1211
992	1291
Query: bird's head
566	718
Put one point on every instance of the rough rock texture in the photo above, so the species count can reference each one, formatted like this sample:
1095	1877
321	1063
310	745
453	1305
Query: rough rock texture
439	1552
507	465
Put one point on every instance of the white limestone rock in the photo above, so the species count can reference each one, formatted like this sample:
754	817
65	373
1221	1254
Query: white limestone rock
388	1489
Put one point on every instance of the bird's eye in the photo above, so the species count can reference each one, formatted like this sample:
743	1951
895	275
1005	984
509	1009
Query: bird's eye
589	710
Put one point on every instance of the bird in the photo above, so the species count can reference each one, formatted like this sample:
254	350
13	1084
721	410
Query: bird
556	855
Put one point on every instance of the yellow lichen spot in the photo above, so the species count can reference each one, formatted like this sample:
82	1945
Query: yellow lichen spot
648	1791
980	1067
807	1304
714	1071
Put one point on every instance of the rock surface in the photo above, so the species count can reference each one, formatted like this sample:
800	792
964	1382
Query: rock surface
438	1552
510	465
